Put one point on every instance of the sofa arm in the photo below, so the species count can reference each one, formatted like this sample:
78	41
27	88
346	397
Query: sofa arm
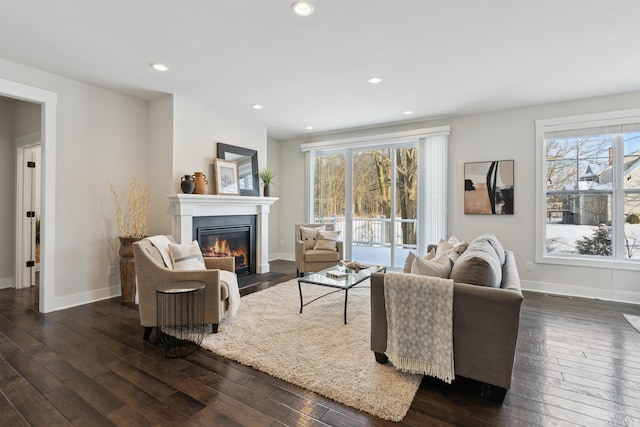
378	314
340	249
485	331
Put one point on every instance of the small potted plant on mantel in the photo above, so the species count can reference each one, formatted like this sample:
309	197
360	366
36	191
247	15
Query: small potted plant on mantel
132	214
266	175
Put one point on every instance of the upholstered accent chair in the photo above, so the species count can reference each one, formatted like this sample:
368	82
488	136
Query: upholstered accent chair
309	256
151	272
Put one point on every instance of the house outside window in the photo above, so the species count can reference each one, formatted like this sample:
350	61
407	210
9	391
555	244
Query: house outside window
588	198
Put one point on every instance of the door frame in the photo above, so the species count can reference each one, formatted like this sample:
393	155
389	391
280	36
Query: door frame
48	101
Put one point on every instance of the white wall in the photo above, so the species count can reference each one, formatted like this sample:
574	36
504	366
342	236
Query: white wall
291	178
28	118
197	130
503	135
273	163
7	192
160	162
101	135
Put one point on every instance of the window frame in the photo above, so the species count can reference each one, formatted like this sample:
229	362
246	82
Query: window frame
617	260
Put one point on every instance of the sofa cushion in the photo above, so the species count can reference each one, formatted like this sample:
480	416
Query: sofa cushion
478	265
315	255
309	235
327	240
187	257
440	266
497	247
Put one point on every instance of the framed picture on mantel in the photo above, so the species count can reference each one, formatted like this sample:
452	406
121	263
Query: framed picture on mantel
227	181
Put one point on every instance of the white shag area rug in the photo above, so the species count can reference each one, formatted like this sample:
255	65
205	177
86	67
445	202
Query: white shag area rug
315	349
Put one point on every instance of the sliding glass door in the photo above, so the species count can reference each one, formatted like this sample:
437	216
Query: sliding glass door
379	187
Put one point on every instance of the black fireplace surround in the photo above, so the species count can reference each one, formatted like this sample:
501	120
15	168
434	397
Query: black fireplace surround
232	235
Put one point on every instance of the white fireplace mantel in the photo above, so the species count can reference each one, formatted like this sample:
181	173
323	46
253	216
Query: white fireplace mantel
184	207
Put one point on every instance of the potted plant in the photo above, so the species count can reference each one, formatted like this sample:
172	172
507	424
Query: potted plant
266	175
132	214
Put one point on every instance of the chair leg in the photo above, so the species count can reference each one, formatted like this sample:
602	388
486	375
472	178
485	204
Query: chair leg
214	328
147	332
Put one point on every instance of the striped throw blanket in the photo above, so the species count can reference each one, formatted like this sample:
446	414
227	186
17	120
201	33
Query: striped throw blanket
420	324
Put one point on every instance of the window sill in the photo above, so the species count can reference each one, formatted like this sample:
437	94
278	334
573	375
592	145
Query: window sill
595	262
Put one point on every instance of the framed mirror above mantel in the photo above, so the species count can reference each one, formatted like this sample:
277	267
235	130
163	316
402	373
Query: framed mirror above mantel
247	167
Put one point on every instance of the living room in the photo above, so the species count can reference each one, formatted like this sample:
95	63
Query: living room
93	135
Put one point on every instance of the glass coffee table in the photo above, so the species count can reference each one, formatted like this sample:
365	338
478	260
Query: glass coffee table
347	280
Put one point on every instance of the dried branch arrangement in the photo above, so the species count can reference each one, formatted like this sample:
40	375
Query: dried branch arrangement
132	214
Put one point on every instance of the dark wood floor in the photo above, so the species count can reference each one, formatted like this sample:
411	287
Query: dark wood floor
578	363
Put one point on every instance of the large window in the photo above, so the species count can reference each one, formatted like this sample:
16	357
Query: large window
589	194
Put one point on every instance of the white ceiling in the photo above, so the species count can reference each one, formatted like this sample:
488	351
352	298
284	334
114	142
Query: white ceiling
436	58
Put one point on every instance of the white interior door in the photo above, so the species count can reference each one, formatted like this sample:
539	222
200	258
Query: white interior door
29	213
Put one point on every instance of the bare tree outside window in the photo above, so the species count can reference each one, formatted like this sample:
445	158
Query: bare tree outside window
581	189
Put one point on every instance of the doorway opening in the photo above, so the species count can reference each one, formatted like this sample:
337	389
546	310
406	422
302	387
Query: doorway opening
47	101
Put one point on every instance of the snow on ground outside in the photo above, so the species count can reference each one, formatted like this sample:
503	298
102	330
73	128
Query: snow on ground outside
568	234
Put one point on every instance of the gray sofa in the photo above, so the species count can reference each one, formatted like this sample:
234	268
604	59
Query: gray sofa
485	326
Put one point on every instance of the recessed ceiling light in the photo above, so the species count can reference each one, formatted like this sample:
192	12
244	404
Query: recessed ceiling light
159	67
257	107
374	80
302	8
309	128
408	112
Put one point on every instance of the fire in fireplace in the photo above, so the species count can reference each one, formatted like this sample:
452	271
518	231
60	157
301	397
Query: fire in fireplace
228	243
228	236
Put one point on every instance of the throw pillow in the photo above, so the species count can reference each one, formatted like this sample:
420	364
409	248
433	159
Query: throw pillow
187	257
440	266
309	235
443	247
478	265
408	262
327	240
458	250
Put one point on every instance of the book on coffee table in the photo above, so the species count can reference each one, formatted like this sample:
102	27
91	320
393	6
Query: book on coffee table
336	274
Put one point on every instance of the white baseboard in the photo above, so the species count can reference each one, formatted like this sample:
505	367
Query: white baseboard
283	256
7	282
87	297
581	292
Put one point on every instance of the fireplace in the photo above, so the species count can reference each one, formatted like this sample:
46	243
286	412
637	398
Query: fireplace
186	208
233	235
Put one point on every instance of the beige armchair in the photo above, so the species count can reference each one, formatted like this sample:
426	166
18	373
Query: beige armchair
308	260
151	272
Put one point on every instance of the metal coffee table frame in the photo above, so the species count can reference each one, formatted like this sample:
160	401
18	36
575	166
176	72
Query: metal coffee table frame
341	284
